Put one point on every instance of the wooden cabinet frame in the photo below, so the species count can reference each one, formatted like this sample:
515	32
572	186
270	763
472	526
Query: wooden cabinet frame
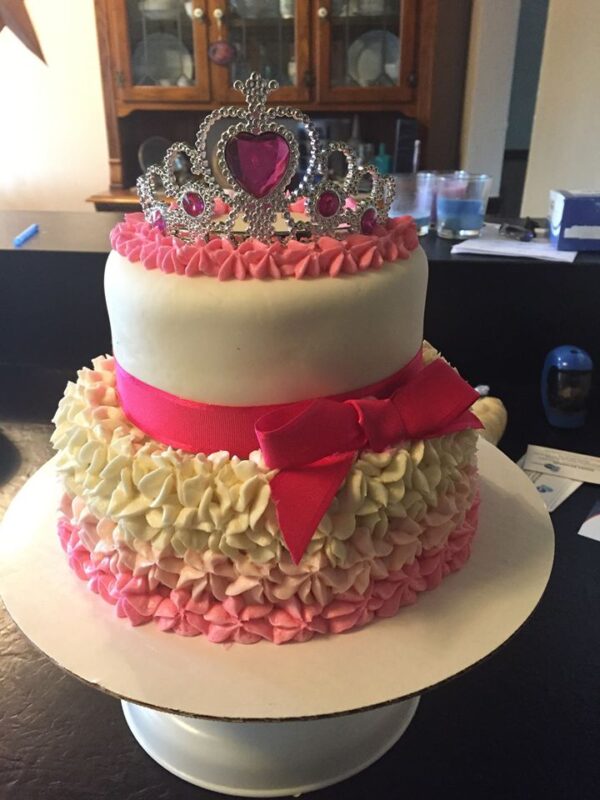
386	95
222	88
433	61
128	91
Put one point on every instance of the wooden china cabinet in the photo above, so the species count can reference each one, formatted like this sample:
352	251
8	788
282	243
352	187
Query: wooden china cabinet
166	63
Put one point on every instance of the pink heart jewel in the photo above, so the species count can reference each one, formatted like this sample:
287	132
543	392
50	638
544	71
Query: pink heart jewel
258	162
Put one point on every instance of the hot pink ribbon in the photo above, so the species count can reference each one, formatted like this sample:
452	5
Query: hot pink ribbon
312	443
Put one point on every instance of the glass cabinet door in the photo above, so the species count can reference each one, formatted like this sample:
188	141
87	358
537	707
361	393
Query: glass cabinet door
164	49
265	36
366	49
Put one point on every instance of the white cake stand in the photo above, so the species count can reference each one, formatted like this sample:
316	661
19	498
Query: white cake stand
267	721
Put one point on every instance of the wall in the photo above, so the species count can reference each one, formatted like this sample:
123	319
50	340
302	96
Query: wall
565	150
487	92
53	150
528	56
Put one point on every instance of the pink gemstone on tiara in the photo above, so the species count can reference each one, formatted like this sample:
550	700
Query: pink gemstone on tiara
328	203
368	221
192	204
258	162
158	221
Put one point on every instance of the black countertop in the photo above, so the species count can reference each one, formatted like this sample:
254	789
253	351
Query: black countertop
81	232
60	232
523	724
493	317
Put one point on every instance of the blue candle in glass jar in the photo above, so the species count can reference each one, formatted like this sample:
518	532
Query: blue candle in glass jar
459	214
461	200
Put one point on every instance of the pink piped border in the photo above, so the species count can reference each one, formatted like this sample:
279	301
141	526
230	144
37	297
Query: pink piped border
138	241
234	620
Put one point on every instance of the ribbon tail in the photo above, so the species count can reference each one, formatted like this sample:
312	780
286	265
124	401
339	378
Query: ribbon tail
436	402
302	495
465	420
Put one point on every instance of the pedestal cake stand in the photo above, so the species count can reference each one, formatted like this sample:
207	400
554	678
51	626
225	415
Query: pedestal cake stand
266	721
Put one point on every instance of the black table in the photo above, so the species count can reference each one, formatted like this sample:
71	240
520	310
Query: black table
523	724
494	318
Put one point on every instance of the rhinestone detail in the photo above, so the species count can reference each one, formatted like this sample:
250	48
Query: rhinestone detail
192	204
158	221
328	203
368	221
257	162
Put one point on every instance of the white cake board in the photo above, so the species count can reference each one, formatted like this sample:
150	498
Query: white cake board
471	614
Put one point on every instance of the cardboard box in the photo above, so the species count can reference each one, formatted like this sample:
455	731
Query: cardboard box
575	219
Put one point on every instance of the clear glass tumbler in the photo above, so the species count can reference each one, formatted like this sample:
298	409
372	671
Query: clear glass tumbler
461	201
414	194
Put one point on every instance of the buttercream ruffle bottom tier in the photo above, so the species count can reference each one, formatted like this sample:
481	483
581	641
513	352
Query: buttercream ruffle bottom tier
191	542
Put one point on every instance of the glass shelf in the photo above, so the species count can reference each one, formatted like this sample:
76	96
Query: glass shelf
264	43
161	43
365	43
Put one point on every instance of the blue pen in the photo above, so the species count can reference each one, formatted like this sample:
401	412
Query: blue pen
26	235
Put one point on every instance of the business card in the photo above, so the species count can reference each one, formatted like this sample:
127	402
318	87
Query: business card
576	466
553	489
591	527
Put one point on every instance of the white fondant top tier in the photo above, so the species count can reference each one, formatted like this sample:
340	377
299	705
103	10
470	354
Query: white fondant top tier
257	342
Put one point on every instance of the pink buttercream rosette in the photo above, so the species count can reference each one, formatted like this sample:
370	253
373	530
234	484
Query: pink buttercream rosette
244	618
138	241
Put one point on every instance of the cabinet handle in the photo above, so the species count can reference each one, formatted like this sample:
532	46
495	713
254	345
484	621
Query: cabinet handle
198	14
218	14
323	12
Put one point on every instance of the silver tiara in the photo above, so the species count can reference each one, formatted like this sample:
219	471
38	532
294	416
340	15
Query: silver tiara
257	157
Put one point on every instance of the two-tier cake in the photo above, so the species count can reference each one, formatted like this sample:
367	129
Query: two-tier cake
272	452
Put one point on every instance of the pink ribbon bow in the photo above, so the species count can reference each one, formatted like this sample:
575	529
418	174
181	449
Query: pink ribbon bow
314	448
311	443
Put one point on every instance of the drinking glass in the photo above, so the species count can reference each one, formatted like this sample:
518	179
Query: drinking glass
414	193
461	200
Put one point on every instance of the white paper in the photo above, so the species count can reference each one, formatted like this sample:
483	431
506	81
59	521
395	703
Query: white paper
591	527
553	489
576	466
582	232
491	243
